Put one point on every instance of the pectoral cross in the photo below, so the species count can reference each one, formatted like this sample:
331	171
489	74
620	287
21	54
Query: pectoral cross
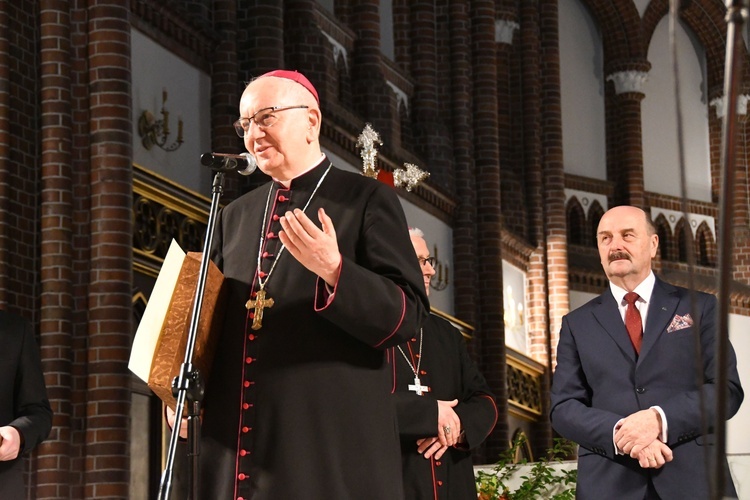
259	303
418	387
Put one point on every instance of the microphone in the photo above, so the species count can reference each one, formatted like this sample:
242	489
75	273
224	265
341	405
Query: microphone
243	163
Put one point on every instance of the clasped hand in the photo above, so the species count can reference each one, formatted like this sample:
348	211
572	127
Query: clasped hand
436	446
638	436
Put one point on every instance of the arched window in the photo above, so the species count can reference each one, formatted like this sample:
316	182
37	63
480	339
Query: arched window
665	237
576	223
706	246
681	231
596	212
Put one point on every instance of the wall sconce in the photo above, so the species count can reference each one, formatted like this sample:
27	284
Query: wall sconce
440	279
155	132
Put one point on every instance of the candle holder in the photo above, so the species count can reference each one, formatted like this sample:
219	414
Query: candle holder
439	280
155	132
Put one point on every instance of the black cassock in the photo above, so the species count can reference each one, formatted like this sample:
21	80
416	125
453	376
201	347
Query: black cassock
449	372
23	397
301	408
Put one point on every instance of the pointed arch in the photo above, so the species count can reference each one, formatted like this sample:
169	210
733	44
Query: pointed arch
666	242
681	232
705	246
596	212
576	222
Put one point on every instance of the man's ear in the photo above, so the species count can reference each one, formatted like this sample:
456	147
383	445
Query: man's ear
313	124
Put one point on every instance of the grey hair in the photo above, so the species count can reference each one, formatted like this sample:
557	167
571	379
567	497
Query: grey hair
415	231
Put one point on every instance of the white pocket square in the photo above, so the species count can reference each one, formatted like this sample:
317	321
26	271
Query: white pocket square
680	323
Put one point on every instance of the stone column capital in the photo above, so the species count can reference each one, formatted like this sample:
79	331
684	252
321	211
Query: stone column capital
629	81
718	104
504	29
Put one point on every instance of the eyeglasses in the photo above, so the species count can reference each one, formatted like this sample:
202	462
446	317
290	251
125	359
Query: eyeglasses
263	118
428	260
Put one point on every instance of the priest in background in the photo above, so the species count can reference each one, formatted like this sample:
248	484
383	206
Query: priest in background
445	408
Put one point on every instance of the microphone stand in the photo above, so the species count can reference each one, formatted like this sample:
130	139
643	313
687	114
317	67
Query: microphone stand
736	12
189	383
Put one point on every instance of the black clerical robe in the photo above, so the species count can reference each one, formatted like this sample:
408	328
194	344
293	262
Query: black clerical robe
301	408
449	373
23	397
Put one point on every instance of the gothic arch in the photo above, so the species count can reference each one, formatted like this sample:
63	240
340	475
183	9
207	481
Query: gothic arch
596	212
705	246
666	242
705	18
620	26
576	222
681	230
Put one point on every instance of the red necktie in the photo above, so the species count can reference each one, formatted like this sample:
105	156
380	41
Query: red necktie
633	321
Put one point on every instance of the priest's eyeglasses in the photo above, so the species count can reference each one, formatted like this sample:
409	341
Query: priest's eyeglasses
428	260
263	118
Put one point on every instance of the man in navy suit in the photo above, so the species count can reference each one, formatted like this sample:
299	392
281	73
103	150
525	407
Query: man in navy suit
625	387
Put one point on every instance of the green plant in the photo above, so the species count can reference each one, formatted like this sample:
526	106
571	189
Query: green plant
541	478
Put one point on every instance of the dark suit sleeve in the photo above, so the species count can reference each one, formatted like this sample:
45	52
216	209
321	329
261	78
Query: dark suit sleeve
683	410
571	412
476	407
380	297
32	412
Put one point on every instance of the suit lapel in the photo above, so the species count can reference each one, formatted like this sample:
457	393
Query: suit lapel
608	315
661	310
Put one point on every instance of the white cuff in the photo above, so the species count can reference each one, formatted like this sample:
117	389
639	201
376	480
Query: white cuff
663	436
614	430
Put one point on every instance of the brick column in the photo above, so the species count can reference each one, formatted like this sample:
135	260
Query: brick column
531	90
110	286
489	217
543	344
465	284
304	41
56	326
226	88
5	167
260	35
553	181
740	215
373	100
431	137
627	168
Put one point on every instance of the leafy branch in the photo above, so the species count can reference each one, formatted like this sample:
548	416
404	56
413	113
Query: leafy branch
542	476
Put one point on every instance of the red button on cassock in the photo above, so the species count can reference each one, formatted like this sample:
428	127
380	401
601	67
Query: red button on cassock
249	360
241	476
243	453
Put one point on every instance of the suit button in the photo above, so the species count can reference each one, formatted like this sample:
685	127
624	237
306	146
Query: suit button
640	390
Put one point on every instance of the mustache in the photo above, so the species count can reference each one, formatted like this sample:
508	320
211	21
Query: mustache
618	255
